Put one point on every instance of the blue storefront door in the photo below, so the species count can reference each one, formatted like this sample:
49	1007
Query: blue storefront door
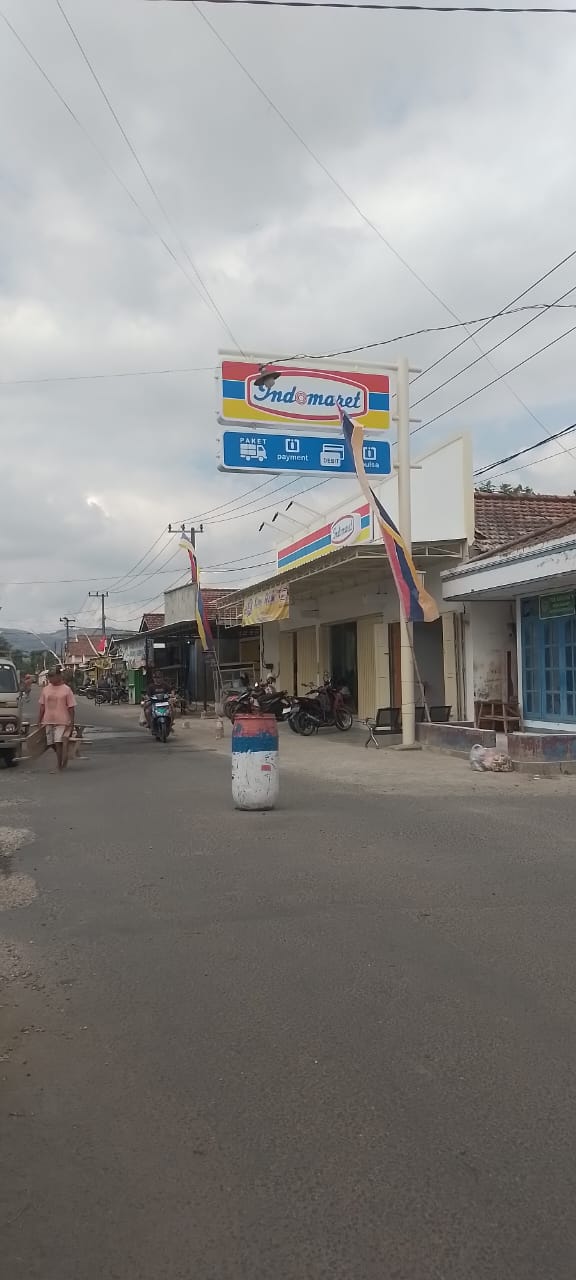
548	664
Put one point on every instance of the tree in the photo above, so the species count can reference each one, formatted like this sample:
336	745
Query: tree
513	490
4	647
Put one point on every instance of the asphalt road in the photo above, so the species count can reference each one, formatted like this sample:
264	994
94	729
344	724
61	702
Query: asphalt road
334	1042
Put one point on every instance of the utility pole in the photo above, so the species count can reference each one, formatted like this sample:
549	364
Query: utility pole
101	595
405	524
193	532
67	623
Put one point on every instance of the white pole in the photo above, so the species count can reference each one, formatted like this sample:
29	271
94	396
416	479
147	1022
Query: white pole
405	525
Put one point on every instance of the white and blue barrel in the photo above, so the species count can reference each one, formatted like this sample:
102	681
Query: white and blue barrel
254	761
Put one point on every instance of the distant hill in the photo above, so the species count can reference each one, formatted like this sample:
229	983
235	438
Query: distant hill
28	643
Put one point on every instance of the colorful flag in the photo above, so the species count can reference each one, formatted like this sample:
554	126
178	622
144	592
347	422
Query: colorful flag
417	604
206	638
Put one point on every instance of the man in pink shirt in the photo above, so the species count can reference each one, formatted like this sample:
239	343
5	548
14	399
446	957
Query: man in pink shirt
56	713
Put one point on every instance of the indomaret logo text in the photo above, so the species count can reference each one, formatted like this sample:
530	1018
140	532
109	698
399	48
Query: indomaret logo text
302	394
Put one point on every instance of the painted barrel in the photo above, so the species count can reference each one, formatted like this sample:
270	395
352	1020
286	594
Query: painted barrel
254	762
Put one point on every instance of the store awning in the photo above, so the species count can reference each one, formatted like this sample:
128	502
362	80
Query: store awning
346	567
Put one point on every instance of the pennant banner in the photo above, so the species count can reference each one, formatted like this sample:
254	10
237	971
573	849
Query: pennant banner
204	631
416	603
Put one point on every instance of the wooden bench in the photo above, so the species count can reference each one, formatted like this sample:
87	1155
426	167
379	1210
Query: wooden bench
494	713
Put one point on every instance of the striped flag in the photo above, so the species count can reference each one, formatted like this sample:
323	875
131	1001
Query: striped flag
204	631
416	603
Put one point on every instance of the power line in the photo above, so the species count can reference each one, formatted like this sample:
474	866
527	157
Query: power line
558	453
317	160
501	343
129	572
101	155
472	395
374	5
327	355
43	582
510	457
505	311
267	505
147	179
348	197
95	377
220	506
144	576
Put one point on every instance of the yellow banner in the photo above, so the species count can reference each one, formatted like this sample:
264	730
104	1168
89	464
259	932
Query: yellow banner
272	605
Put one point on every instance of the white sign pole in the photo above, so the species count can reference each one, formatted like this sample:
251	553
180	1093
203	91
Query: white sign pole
405	525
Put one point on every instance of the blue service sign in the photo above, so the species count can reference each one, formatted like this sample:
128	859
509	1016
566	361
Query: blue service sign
313	454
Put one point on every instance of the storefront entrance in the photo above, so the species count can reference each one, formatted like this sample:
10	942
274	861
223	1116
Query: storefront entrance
344	659
549	658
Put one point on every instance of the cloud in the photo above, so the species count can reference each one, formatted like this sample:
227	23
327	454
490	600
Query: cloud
451	133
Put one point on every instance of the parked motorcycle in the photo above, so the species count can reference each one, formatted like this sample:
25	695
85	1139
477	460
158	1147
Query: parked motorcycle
262	697
321	708
160	716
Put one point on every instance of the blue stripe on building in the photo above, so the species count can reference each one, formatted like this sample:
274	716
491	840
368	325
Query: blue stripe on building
305	550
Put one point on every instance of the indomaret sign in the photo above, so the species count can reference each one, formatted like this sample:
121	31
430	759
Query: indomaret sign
299	394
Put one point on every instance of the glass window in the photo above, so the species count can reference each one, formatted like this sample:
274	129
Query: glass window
8	680
570	665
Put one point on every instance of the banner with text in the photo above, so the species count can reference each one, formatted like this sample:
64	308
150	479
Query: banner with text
272	605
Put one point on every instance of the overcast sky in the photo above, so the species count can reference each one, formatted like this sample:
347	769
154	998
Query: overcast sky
454	135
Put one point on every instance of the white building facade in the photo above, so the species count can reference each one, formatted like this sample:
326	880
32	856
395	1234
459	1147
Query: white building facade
343	612
519	614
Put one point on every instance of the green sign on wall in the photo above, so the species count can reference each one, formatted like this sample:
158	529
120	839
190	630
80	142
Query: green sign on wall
559	605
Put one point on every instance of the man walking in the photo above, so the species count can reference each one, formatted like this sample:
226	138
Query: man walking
56	713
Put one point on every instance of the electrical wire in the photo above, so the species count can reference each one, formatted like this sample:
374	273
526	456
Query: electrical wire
318	161
211	300
102	156
504	311
352	202
502	341
558	453
202	514
510	457
95	377
374	5
129	572
143	577
266	507
486	386
327	355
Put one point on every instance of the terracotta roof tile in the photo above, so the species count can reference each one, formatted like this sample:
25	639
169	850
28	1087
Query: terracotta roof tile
501	519
212	596
150	621
83	647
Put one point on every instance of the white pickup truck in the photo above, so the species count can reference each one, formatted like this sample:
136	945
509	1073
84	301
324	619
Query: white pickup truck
13	727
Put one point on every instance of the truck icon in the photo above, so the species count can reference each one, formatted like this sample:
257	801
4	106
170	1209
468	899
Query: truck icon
251	448
332	455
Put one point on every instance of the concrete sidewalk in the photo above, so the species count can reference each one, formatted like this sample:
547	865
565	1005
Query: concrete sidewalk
342	758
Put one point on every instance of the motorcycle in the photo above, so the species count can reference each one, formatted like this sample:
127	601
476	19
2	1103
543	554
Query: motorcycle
321	708
264	698
160	717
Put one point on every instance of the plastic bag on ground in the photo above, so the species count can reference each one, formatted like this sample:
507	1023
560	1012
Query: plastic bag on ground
489	760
